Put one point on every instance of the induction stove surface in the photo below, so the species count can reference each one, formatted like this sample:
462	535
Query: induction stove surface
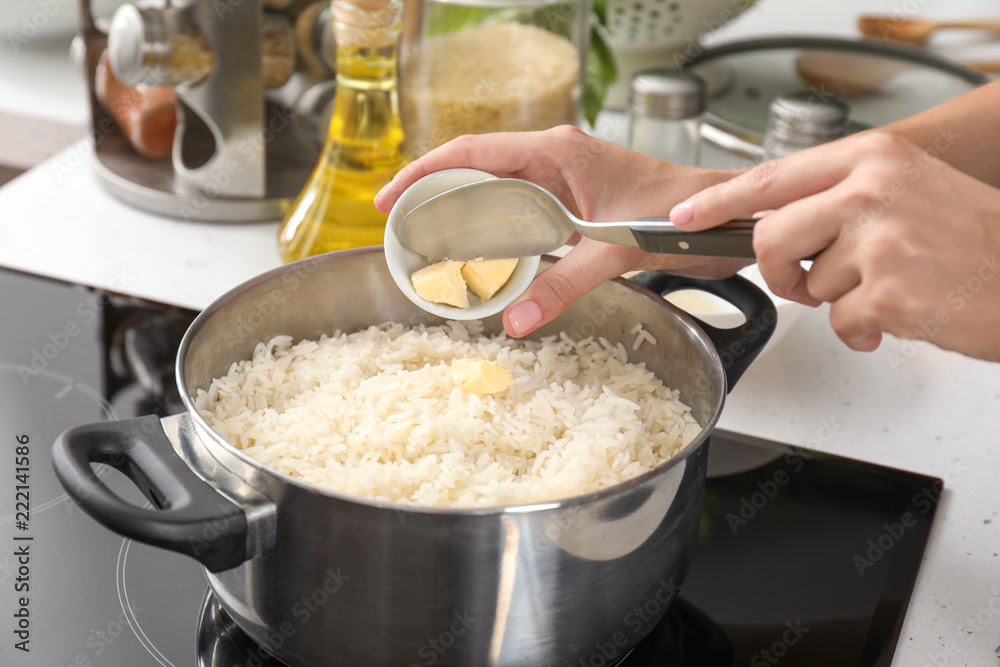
804	558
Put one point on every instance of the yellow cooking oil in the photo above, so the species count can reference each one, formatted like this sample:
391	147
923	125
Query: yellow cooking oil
363	151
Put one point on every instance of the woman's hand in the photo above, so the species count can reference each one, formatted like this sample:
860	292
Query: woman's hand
597	181
907	244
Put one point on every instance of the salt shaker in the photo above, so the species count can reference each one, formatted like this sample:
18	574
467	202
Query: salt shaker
665	109
802	119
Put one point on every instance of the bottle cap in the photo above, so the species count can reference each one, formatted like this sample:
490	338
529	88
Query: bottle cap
667	94
367	23
807	118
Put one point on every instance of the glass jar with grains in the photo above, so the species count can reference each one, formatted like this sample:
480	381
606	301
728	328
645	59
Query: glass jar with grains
477	66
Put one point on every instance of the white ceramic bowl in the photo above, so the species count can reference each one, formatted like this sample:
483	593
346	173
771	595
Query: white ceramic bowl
647	34
403	262
720	313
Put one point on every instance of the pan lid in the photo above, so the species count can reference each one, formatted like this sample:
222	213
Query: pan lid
882	82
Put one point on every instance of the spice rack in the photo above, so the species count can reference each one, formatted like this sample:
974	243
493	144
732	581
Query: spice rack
241	150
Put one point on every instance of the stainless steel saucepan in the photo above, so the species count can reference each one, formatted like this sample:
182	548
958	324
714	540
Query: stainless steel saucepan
323	578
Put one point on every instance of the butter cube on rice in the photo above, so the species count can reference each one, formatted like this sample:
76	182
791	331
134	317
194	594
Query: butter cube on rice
480	376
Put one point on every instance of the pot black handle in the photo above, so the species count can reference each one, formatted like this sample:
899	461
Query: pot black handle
192	517
739	346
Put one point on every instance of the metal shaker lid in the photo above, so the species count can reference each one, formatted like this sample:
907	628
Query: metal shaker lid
807	117
138	45
668	94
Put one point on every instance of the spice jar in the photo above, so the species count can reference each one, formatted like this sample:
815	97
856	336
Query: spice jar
146	115
477	66
315	40
277	50
161	47
665	109
802	119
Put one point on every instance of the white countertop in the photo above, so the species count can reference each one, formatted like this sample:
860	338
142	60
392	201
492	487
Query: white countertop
911	406
57	220
906	405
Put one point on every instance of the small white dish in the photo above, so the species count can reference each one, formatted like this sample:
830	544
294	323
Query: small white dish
722	314
403	262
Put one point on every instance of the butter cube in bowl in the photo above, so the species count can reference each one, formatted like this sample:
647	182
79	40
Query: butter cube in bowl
442	282
452	289
485	277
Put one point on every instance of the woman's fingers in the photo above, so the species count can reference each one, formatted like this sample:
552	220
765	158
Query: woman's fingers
481	152
591	263
500	153
800	230
585	267
855	321
770	185
835	272
819	195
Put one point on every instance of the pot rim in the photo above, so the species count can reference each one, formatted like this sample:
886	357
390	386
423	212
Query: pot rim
203	428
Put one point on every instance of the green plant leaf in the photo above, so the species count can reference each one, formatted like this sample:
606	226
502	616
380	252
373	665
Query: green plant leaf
600	9
445	18
600	73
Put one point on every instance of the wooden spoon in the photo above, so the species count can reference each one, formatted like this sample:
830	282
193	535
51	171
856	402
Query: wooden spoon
914	31
984	66
855	74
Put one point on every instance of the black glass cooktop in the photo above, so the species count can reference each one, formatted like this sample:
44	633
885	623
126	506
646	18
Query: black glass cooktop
805	559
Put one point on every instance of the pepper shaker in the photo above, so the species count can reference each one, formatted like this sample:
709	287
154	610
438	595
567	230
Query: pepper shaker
802	119
665	109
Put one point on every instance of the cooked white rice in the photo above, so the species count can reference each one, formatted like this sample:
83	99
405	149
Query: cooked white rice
376	414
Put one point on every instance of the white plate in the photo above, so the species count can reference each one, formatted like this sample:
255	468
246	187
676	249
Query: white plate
722	314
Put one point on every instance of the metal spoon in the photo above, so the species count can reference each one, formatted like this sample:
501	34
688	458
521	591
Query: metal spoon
510	217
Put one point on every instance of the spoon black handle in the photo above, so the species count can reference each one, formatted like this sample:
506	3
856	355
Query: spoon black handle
730	239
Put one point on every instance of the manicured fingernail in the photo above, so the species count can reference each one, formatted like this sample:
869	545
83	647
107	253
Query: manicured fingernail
524	317
682	214
867	343
379	193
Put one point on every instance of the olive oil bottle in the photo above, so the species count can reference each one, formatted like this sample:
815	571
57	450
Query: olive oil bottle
364	145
